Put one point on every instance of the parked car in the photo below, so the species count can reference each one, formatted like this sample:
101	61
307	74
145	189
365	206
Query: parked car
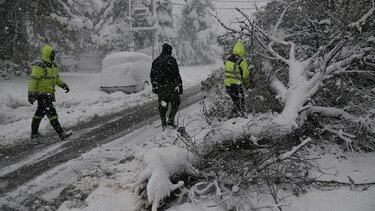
125	71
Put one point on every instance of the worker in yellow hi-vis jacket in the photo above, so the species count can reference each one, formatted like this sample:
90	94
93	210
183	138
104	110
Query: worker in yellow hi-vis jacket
44	77
236	76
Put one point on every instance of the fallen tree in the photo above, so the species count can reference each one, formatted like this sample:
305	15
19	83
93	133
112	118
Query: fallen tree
298	82
302	75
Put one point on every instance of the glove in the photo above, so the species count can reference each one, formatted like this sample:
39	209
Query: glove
180	89
155	89
66	88
31	98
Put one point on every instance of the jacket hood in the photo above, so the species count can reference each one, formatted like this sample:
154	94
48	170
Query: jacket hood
46	53
167	49
239	49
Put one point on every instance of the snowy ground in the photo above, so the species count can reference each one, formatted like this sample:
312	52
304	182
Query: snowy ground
106	173
102	177
82	103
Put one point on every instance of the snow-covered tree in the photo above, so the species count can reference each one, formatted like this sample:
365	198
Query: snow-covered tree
31	24
196	42
13	33
165	22
301	71
167	31
28	25
111	27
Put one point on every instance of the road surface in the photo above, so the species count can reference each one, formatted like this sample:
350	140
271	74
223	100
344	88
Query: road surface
20	164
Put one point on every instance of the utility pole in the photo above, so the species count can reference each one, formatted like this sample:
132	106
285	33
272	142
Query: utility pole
140	14
155	40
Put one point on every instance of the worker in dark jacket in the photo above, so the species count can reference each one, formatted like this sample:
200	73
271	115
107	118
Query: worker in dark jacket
167	84
44	77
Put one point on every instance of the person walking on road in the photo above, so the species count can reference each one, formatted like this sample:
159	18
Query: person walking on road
167	84
41	88
235	77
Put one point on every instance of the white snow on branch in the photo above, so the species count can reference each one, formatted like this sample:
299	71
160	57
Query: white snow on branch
281	17
362	21
280	88
198	192
66	8
285	155
162	163
371	39
159	186
342	135
342	63
61	20
331	111
76	23
274	53
325	22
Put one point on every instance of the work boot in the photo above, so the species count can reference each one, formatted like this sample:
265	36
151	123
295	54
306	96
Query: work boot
163	123
66	134
35	135
35	127
172	124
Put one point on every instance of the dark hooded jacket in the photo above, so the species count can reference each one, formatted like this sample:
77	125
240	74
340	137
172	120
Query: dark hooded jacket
165	75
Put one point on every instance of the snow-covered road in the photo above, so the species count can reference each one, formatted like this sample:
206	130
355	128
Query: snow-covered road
83	103
24	164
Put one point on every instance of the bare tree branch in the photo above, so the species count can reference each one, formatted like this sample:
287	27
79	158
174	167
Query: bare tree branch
281	17
285	155
363	19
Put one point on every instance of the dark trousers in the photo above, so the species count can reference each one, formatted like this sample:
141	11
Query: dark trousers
238	97
45	107
166	98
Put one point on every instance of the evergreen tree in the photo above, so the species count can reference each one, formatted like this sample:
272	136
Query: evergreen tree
196	38
111	27
166	30
13	32
31	24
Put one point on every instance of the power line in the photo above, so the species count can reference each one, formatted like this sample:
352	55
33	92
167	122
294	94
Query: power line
231	8
242	1
218	8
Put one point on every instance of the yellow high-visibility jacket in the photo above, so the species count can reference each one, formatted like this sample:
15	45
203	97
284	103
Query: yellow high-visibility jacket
44	75
236	67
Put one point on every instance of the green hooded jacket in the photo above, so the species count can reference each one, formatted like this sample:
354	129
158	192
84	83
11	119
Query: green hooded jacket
236	67
44	75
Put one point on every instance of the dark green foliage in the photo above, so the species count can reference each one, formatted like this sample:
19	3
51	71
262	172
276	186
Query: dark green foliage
13	32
